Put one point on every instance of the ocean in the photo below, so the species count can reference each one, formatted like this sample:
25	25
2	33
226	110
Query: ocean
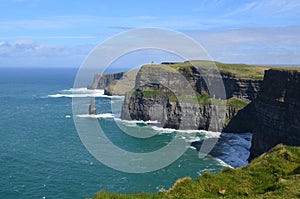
42	156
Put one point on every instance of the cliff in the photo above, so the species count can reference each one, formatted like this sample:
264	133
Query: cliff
115	83
277	109
154	97
103	80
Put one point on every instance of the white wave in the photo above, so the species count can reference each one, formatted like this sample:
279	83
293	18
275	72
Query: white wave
67	116
83	92
192	147
193	139
138	121
163	130
222	163
211	134
103	115
75	95
207	134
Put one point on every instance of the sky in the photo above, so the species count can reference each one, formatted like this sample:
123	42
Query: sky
52	33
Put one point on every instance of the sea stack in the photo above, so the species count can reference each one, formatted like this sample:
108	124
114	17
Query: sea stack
92	107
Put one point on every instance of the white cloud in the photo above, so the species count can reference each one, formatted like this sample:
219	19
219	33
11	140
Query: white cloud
252	45
277	45
242	9
267	8
26	53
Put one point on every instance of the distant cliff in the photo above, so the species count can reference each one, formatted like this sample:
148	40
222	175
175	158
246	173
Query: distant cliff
115	83
103	80
277	109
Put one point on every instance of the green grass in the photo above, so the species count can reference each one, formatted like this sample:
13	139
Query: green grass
241	70
236	103
124	85
275	174
204	99
151	92
197	98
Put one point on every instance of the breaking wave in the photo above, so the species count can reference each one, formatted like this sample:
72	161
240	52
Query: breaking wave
83	92
103	115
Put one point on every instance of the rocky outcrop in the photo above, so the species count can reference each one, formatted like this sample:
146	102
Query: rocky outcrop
277	110
92	107
155	98
103	80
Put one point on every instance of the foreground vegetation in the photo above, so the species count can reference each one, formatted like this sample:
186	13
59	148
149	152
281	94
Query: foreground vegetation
275	174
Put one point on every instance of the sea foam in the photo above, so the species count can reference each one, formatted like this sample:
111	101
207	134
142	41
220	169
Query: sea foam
83	92
103	115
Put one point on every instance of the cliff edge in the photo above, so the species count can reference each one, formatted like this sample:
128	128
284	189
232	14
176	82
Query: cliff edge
277	111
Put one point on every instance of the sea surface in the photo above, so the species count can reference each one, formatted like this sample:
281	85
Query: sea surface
42	156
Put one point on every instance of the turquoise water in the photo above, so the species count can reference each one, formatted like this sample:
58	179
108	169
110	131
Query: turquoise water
42	156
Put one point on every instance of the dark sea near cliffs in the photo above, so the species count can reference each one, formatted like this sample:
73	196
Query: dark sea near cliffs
42	156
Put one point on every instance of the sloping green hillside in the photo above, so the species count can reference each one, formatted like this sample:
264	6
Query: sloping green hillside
275	174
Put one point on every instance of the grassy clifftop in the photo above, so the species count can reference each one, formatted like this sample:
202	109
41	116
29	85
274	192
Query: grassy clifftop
244	71
241	70
275	174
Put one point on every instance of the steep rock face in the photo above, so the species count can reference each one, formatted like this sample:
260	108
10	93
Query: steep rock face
172	114
153	99
245	89
240	120
277	111
103	80
123	85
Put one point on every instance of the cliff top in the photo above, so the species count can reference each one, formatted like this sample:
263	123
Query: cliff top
275	174
240	70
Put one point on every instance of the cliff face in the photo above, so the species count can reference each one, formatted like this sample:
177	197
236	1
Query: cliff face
153	99
277	110
242	88
245	89
103	80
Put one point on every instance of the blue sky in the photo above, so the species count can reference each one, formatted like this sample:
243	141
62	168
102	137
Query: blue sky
51	33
